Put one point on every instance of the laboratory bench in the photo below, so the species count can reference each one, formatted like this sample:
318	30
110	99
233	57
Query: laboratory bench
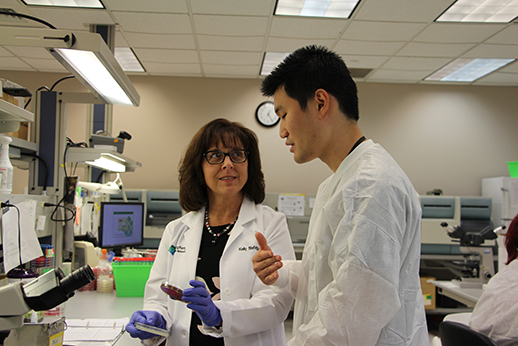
94	305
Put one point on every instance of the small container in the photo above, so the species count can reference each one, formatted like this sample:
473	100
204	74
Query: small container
104	284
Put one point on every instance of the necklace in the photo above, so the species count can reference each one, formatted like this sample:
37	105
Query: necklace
358	142
214	234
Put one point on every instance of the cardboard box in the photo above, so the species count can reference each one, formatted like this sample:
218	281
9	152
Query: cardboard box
428	292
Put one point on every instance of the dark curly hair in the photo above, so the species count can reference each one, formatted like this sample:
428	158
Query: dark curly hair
193	190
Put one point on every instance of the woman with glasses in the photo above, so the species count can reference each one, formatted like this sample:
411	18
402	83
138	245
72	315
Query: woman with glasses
208	251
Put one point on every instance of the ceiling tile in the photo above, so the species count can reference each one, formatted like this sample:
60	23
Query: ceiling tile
5	52
358	61
171	69
167	55
306	28
30	52
382	31
231	37
447	50
154	23
230	25
286	45
498	78
72	19
415	64
397	75
510	68
12	63
368	47
159	6
458	32
46	65
241	7
401	10
231	58
493	51
161	41
507	36
234	43
120	39
225	70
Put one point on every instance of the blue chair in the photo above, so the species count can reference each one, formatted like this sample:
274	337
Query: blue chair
459	334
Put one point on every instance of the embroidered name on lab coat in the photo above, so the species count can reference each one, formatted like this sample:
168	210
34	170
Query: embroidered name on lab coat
250	248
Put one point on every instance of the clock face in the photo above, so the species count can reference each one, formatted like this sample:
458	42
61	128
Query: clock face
265	114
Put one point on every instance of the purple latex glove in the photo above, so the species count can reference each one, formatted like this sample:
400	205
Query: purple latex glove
151	318
200	301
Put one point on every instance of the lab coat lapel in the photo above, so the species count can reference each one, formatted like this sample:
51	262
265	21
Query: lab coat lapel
246	214
193	240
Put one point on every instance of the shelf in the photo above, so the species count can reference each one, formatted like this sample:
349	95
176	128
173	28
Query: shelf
10	112
90	154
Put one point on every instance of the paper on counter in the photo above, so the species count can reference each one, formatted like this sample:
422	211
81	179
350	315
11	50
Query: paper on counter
30	245
94	329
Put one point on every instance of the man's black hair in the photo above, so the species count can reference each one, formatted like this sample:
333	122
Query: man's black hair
311	68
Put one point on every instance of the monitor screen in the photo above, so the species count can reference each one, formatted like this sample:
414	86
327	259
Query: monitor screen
122	225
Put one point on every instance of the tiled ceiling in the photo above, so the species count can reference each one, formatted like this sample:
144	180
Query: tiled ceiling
395	41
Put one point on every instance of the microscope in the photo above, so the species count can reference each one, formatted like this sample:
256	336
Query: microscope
43	293
478	264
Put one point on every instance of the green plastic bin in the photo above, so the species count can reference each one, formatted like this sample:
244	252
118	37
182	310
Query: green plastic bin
130	280
513	169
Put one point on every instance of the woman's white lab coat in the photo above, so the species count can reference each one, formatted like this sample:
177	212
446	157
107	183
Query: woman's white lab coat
252	313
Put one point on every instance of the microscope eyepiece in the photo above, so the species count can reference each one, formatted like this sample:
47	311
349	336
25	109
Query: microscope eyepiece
77	279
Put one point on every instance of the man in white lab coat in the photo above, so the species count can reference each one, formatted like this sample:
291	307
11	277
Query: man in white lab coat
358	281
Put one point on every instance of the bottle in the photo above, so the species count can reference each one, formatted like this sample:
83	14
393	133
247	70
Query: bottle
6	168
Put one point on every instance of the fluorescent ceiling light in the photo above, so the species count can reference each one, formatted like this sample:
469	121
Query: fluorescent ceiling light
316	8
66	3
91	61
493	11
109	163
467	70
271	60
127	59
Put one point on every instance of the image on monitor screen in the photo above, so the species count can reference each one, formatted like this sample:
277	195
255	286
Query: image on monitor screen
122	225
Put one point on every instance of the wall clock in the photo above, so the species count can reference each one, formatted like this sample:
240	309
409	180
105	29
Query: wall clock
265	114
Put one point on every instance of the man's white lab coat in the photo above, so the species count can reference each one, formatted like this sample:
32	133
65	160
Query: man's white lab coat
358	281
252	313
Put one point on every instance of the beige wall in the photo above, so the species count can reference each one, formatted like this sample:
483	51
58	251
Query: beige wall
447	137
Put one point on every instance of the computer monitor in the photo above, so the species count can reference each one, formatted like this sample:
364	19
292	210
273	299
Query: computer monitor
122	225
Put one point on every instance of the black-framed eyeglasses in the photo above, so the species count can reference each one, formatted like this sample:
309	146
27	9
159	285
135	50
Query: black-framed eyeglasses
216	157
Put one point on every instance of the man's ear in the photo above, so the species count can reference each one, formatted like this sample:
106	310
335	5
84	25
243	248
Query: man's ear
322	98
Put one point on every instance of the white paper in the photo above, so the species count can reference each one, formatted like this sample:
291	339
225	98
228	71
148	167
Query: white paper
291	204
30	245
86	218
40	223
94	329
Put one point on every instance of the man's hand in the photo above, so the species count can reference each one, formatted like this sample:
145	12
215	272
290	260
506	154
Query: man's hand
265	263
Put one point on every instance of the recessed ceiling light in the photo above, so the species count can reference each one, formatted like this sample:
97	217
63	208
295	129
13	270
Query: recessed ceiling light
467	70
491	11
271	60
127	59
66	3
316	8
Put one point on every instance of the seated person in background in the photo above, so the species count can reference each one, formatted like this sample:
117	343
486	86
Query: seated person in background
496	312
211	248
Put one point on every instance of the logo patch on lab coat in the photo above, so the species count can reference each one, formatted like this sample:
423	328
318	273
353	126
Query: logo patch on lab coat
174	249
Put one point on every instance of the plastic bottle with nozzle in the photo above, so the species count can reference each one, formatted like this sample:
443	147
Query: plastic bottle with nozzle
6	168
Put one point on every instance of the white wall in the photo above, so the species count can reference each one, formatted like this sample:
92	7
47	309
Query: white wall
447	137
